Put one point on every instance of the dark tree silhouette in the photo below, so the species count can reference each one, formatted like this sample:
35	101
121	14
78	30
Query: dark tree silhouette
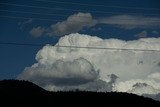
26	94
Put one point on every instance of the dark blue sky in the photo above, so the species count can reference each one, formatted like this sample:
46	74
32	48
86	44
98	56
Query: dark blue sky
15	27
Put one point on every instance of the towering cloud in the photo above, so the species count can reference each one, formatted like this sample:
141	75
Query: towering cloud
64	68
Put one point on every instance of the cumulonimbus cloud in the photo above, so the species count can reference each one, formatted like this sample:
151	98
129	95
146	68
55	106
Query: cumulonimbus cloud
78	21
56	65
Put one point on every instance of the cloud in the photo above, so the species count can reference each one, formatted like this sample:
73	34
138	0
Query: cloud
58	66
23	24
150	87
131	22
142	34
79	21
155	75
61	73
73	24
96	29
37	32
155	32
96	85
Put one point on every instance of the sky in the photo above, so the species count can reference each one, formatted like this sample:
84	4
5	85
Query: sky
115	44
45	21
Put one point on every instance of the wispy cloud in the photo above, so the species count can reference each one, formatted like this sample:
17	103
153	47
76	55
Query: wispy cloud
142	34
131	22
155	32
37	32
23	24
77	22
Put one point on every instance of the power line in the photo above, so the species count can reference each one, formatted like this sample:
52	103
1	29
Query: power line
65	9
20	44
50	8
64	14
74	3
101	48
17	17
34	13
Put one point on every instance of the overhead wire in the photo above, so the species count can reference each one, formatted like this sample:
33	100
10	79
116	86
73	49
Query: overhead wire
29	44
75	3
63	46
23	12
17	17
66	9
51	8
44	14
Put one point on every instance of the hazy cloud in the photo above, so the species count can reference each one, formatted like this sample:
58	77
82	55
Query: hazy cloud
142	34
37	32
155	75
155	32
96	29
23	24
131	22
96	85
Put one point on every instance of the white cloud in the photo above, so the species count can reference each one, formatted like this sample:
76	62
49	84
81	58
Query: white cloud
128	86
79	21
142	34
155	75
61	73
73	24
131	67
37	32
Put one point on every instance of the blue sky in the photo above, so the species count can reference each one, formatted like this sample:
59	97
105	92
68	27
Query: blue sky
20	21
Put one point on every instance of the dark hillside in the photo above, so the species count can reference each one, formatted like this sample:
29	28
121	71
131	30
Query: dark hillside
26	94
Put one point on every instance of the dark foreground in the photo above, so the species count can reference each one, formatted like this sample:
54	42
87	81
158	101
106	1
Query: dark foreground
16	93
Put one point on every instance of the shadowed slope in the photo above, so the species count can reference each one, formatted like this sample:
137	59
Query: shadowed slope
26	94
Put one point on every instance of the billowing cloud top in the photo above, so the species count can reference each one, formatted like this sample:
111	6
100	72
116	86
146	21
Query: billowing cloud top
85	67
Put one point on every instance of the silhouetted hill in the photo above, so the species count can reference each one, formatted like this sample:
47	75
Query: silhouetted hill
26	94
